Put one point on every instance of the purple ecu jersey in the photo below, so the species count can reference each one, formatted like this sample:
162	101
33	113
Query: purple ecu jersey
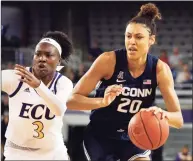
112	121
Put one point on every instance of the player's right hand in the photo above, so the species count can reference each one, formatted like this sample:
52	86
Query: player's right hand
27	76
111	93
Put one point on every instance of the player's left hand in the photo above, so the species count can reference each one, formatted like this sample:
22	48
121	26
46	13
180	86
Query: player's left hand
156	110
27	76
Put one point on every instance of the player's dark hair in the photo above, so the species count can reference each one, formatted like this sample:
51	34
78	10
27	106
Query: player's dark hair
147	15
63	40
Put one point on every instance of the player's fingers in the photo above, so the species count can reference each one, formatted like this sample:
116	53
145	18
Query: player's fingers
24	80
153	108
109	98
19	66
119	86
115	86
157	110
115	92
24	71
23	75
164	115
20	70
19	73
146	109
115	89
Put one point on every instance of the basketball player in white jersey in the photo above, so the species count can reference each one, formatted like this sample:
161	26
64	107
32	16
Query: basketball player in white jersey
37	102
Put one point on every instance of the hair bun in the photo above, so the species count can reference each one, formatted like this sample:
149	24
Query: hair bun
150	11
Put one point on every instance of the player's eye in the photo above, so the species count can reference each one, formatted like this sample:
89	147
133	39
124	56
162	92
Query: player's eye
139	37
37	53
49	55
128	36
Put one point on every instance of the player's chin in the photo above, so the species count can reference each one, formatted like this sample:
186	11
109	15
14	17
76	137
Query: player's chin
132	56
42	72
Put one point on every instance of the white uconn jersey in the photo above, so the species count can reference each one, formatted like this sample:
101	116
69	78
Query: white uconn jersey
31	123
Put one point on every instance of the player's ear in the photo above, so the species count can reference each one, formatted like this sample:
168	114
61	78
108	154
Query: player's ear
151	40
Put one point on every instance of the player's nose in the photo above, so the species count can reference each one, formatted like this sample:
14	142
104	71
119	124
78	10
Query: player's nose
132	40
42	58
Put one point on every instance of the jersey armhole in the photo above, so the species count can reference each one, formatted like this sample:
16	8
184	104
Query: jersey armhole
17	89
155	71
120	61
59	76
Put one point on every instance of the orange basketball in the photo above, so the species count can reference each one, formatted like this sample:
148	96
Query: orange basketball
147	131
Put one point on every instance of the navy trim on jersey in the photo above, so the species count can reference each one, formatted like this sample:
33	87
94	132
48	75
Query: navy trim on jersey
55	75
55	90
17	89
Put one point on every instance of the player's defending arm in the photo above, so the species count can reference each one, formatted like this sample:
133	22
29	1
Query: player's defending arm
103	67
166	86
56	103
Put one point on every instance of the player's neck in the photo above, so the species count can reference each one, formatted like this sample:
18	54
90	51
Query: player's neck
45	79
135	65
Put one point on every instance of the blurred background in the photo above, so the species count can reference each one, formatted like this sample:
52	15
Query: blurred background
95	27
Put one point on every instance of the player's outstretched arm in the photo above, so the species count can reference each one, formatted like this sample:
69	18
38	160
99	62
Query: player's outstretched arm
56	103
166	86
103	67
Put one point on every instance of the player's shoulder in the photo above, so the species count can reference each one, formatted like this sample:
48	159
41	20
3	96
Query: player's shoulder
106	59
162	66
108	55
9	73
112	54
62	79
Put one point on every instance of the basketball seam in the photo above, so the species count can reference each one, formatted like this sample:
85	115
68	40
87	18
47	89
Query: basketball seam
146	130
160	131
136	140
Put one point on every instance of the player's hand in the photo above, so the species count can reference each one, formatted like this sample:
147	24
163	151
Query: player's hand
27	76
156	110
111	93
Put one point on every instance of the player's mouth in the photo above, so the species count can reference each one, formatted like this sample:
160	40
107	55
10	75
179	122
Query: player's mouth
42	67
132	50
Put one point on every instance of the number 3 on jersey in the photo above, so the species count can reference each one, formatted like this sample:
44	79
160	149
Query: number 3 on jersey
38	130
134	105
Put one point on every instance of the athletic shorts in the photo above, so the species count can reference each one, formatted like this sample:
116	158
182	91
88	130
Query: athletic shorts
15	152
98	148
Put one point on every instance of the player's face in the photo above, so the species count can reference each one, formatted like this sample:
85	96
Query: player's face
137	40
46	59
